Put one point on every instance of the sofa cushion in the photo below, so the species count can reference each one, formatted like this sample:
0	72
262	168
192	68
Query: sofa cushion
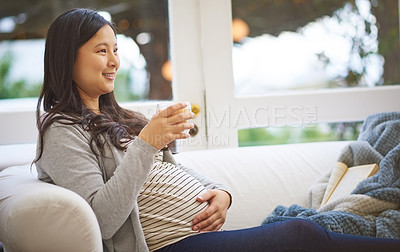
260	178
16	154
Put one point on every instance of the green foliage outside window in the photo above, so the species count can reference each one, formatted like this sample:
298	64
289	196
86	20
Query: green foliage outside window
122	89
284	135
14	89
23	88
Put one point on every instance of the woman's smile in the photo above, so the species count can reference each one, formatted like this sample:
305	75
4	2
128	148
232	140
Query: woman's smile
110	76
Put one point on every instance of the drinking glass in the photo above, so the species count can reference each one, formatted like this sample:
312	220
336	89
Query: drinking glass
163	105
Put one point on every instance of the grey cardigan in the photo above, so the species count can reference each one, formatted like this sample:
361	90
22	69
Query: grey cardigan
110	183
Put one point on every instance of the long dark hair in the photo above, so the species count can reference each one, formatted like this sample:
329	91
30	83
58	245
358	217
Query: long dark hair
59	94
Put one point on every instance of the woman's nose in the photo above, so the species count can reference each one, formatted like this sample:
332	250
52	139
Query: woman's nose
113	60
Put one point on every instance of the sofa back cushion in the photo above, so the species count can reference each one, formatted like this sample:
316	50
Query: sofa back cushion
260	178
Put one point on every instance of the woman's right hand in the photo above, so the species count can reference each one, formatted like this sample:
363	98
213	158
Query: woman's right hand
167	126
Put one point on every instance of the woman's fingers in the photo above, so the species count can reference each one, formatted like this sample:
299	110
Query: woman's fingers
167	125
177	113
171	110
213	217
213	223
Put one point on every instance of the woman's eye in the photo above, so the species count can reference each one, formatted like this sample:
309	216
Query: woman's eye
102	50
115	50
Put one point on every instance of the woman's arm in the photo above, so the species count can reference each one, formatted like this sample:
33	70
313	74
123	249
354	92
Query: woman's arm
68	160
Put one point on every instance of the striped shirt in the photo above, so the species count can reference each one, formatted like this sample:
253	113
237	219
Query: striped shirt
167	204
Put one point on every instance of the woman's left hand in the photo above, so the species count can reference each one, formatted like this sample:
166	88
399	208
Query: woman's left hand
214	216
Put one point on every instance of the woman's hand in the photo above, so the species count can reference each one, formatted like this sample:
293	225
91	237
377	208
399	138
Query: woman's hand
167	126
214	216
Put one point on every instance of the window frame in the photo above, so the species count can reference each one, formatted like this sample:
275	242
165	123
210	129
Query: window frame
201	39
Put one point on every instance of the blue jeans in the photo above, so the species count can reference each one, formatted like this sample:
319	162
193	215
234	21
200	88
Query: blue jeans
290	235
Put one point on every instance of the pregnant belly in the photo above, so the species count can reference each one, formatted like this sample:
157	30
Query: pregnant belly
167	206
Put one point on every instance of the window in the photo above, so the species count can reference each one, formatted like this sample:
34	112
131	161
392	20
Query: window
209	64
143	41
306	45
143	37
201	52
303	45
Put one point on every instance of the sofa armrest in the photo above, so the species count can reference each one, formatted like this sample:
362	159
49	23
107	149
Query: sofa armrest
37	216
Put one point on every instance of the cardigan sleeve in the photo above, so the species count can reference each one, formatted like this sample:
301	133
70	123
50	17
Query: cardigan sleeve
69	162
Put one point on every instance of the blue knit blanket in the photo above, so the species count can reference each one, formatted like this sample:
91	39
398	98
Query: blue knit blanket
373	208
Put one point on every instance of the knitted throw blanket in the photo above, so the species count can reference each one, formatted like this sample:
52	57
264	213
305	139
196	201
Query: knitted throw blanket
373	208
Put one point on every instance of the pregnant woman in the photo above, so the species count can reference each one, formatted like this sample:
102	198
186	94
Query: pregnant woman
117	161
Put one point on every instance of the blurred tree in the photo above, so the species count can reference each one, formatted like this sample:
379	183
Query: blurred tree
122	89
149	18
5	64
17	89
387	16
265	16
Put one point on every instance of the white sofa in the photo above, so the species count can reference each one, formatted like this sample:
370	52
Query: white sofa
35	216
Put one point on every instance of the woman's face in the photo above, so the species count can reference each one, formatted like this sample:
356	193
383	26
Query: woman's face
96	66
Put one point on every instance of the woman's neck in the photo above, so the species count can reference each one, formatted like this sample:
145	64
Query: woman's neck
92	105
